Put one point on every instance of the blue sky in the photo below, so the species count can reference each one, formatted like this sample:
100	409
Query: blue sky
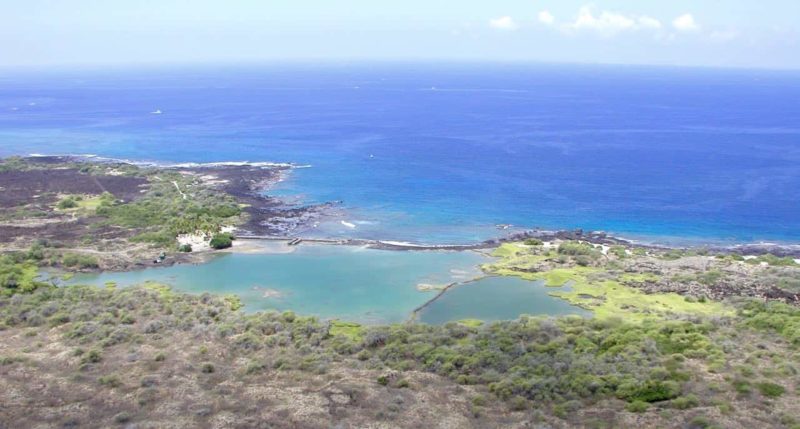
740	33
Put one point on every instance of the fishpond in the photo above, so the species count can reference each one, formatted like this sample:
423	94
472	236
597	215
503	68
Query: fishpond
496	298
351	283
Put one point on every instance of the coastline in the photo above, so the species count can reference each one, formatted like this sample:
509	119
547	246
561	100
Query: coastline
271	218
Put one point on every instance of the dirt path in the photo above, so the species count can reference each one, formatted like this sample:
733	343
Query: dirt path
179	189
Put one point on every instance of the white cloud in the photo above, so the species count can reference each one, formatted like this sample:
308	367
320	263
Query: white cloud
503	23
685	22
610	23
648	22
546	18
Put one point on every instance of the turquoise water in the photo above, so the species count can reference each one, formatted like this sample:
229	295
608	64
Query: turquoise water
365	285
496	298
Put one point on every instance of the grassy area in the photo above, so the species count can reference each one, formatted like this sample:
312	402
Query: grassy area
610	299
84	204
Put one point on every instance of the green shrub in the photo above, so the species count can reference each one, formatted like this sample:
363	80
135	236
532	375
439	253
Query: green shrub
518	403
618	251
772	260
109	381
221	241
637	406
67	203
185	248
162	238
685	402
742	387
673	254
710	277
533	242
255	367
770	390
700	422
648	391
575	248
73	260
93	356
773	317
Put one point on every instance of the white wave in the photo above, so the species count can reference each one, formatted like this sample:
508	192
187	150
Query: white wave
400	243
178	164
348	224
234	164
70	155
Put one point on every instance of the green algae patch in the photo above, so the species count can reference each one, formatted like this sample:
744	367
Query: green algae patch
610	299
350	330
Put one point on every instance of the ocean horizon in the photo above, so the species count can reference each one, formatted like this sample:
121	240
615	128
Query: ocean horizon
432	153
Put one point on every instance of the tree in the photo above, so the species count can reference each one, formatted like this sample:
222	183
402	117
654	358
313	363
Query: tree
221	241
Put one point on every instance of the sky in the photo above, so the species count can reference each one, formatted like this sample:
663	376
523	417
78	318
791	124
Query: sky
715	33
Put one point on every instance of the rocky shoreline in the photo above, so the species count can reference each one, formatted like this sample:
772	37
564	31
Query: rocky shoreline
266	217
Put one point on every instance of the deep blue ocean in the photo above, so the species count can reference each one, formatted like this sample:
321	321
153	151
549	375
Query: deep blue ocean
442	153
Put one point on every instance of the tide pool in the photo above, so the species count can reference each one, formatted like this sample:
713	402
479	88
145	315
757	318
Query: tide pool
496	298
352	283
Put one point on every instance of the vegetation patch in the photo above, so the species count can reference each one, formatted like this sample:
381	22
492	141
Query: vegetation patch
351	331
221	241
18	275
609	299
599	284
554	367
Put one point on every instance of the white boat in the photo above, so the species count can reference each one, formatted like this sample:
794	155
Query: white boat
156	112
